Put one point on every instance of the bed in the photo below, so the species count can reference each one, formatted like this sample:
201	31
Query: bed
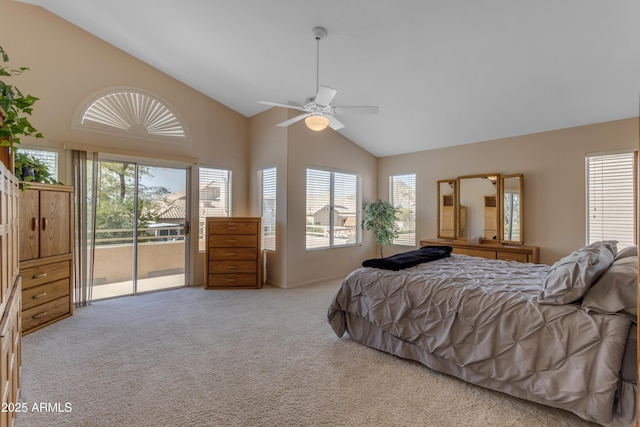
561	335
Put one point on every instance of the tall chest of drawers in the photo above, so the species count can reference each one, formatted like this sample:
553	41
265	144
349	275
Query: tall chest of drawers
46	254
233	253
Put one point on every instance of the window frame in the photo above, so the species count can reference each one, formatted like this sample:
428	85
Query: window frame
332	206
229	204
271	174
392	185
56	158
629	175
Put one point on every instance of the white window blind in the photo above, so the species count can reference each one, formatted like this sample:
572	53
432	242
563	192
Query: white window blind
402	190
333	212
48	158
267	204
214	197
611	198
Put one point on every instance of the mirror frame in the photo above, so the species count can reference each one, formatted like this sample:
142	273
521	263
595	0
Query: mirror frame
453	183
502	238
498	205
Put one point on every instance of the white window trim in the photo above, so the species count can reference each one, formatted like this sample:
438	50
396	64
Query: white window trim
399	241
358	207
632	237
78	122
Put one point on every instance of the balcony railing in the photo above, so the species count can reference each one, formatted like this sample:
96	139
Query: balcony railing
161	259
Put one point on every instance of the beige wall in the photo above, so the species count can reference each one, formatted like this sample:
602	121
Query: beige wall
68	65
292	150
269	149
553	168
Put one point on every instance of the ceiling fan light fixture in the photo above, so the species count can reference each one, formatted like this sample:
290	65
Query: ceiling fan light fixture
316	122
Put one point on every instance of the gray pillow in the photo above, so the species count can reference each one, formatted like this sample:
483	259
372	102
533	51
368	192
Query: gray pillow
569	279
628	251
616	291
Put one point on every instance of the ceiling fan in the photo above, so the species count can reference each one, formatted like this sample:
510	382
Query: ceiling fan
318	111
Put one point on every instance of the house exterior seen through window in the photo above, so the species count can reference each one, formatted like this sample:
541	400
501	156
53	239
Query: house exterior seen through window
333	213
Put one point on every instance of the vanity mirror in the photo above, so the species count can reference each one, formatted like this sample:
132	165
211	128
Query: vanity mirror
488	207
512	208
478	207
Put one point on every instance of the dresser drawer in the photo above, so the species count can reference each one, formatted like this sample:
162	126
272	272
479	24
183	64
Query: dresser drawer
232	241
232	267
475	252
232	280
44	313
230	254
37	295
233	227
513	256
38	275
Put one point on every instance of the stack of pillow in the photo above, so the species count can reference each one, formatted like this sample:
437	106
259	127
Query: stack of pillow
604	279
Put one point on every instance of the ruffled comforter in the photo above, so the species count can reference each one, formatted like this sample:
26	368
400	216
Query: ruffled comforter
479	320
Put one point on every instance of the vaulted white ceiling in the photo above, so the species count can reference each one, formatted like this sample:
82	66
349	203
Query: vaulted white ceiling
443	73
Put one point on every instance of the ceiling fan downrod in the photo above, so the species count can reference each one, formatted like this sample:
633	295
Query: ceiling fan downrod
319	33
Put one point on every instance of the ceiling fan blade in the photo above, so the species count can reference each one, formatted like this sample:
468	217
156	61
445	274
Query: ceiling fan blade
293	120
355	110
278	104
334	123
325	95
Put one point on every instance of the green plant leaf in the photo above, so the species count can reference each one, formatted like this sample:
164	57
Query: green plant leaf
380	217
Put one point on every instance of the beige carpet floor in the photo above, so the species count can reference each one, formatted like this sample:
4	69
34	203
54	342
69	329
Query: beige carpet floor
268	357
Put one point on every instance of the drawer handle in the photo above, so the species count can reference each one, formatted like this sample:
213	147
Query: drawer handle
232	228
39	276
231	280
44	224
232	254
232	241
44	294
34	224
231	267
39	315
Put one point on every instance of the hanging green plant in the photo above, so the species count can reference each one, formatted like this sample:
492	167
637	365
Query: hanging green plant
380	217
16	106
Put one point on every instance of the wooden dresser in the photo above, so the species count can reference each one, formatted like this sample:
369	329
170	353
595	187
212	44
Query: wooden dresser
233	253
489	250
46	253
10	295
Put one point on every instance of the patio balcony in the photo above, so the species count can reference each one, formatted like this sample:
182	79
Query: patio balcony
161	258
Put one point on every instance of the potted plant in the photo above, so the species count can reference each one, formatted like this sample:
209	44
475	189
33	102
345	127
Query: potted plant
30	169
380	217
16	107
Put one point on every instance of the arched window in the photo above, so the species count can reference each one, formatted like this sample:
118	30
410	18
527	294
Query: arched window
131	112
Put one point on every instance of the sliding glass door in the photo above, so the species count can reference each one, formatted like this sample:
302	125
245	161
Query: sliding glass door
141	228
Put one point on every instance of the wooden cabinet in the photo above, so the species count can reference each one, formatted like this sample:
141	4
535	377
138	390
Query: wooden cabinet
45	221
10	295
46	243
233	253
492	251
